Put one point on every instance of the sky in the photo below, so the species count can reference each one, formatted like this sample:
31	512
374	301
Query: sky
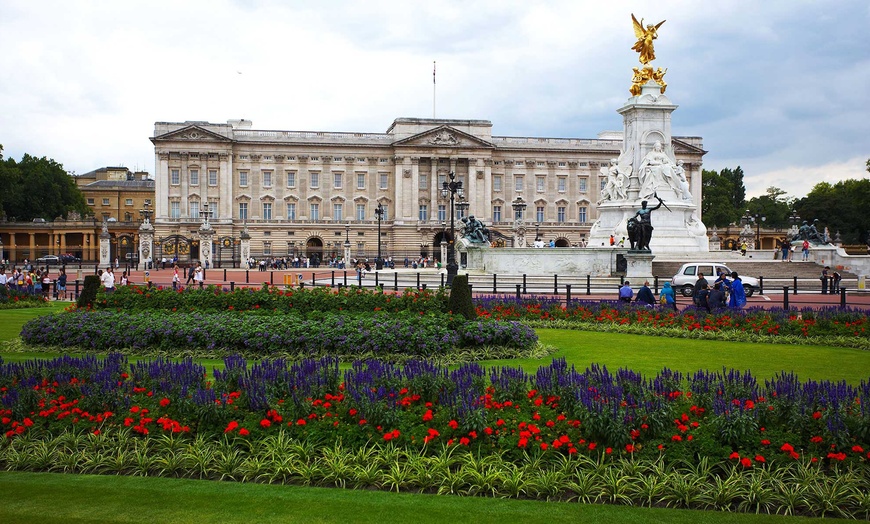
777	87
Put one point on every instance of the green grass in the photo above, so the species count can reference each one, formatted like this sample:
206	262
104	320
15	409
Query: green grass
68	499
11	320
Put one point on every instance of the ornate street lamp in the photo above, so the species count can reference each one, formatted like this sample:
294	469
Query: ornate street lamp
379	213
451	189
145	213
519	206
759	218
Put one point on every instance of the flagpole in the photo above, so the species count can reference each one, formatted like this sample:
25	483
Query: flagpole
433	89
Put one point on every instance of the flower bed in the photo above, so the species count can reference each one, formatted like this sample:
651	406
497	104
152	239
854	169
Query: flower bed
264	334
299	301
828	326
710	440
14	299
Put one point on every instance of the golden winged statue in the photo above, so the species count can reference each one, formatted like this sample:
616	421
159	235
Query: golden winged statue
645	37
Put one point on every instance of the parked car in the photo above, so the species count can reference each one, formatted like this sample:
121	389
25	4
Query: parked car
48	260
685	279
68	258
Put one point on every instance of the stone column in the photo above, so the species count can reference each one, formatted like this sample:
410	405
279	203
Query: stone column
246	247
206	240
146	243
105	252
443	246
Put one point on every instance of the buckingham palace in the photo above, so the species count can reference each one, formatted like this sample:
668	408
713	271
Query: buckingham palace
310	192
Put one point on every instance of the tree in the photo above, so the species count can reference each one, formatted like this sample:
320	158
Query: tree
38	188
773	205
839	207
724	196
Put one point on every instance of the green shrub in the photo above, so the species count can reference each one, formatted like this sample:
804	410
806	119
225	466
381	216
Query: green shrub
89	291
460	298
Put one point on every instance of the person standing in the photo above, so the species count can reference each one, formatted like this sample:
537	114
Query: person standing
703	298
806	250
189	275
824	278
60	285
743	248
625	292
701	283
175	278
738	294
835	282
786	246
198	276
108	280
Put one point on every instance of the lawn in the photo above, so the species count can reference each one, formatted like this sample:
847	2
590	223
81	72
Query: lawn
27	497
50	498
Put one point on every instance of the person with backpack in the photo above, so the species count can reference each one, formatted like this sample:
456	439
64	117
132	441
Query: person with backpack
667	296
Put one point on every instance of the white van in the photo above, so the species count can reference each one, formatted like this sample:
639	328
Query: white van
685	279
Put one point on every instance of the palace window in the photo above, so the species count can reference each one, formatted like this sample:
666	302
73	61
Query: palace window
175	209
337	211
193	207
291	210
291	178
360	212
581	214
539	213
360	180
267	179
519	163
539	184
561	164
582	183
243	179
128	202
194	177
384	180
336	180
267	211
243	210
212	177
442	212
314	180
267	248
563	184
423	181
496	183
174	177
424	212
518	182
314	211
386	209
560	214
496	213
90	201
105	201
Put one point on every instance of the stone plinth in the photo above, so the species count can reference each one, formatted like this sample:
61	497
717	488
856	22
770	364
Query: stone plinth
639	266
596	262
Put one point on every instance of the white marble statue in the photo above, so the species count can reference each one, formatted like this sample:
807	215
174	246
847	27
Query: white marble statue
682	182
656	169
617	181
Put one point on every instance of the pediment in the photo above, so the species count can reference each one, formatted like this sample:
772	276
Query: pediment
192	133
683	147
443	136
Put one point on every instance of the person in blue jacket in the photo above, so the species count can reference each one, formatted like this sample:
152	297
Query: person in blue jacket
738	294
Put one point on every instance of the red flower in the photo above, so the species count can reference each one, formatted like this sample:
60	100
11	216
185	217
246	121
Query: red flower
164	402
231	426
817	415
629	448
244	432
453	424
464	441
677	438
788	448
857	449
746	462
265	423
815	440
759	458
427	416
544	446
301	422
765	442
734	455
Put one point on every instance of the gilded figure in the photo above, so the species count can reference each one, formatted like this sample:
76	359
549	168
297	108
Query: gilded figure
645	37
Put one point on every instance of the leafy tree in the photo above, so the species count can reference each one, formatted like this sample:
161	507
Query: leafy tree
38	188
839	207
773	205
724	196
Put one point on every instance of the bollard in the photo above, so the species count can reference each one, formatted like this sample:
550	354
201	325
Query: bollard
418	280
301	285
494	284
55	288
524	284
333	279
149	284
621	280
519	287
225	275
795	286
761	285
588	284
313	281
377	281
567	295
247	277
232	286
442	279
345	278
339	286
395	281
424	287
784	297
555	284
77	289
842	297
271	278
656	285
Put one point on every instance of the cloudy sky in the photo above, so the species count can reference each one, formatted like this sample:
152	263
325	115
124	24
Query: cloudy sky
777	87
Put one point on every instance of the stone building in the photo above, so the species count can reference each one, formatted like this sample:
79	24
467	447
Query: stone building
308	193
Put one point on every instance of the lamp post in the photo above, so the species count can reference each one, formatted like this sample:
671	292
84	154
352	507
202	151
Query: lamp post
347	244
759	218
519	206
451	189
794	219
379	213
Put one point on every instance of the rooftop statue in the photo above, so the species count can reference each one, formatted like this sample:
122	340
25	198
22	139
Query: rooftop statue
474	231
645	37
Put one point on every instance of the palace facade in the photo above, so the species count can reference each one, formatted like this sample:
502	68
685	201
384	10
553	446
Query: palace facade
299	192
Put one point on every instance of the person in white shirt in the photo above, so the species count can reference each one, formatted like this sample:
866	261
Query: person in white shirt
198	276
108	280
3	278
